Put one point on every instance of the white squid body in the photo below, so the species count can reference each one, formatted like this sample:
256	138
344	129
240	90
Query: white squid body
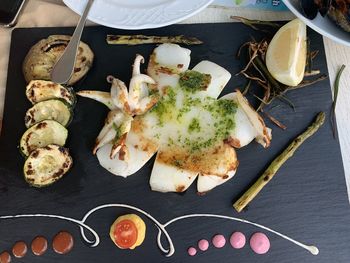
175	167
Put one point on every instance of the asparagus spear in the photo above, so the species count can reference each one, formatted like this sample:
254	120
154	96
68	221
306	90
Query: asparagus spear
271	171
142	39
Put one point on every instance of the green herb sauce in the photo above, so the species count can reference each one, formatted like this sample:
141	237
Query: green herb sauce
201	133
192	81
194	126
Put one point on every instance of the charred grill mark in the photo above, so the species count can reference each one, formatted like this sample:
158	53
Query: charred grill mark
56	45
165	70
35	154
31	93
27	141
180	188
233	142
58	174
62	150
66	164
28	119
63	93
30	172
41	125
123	153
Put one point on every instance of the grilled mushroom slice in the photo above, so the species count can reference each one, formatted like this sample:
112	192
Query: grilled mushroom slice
43	55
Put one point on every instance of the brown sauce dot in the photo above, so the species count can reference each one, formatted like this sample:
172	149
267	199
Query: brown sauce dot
63	242
19	249
5	257
39	245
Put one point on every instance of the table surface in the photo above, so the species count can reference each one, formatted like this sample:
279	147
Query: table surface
51	13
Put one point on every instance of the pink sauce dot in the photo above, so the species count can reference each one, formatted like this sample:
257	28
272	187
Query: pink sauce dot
192	251
219	241
203	244
237	240
260	243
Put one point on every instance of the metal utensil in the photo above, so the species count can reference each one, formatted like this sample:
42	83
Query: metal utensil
63	69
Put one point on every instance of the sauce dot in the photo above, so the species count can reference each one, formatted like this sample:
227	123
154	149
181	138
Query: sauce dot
237	240
63	242
203	244
219	241
39	245
19	249
260	243
192	251
5	257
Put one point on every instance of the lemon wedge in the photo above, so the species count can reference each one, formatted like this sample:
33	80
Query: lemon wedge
286	53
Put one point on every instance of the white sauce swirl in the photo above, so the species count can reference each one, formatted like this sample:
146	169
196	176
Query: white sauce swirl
161	227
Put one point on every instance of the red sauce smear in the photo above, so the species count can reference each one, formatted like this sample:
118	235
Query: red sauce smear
5	257
19	249
39	245
63	242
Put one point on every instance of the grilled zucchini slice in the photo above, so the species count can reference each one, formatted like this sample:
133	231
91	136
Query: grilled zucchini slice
40	90
55	109
42	134
46	165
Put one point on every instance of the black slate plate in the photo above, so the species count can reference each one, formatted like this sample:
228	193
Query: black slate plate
307	200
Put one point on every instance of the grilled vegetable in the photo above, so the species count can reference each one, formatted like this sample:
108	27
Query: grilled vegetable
276	164
132	40
40	90
46	165
43	56
42	134
55	109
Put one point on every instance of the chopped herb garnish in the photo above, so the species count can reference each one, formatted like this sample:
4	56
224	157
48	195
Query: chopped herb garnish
194	126
193	81
218	124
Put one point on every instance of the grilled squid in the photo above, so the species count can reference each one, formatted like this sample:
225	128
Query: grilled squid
124	104
192	133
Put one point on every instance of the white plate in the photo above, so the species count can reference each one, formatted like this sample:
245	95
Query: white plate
322	25
138	14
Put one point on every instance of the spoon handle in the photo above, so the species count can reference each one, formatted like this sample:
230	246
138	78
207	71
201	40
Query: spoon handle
63	69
